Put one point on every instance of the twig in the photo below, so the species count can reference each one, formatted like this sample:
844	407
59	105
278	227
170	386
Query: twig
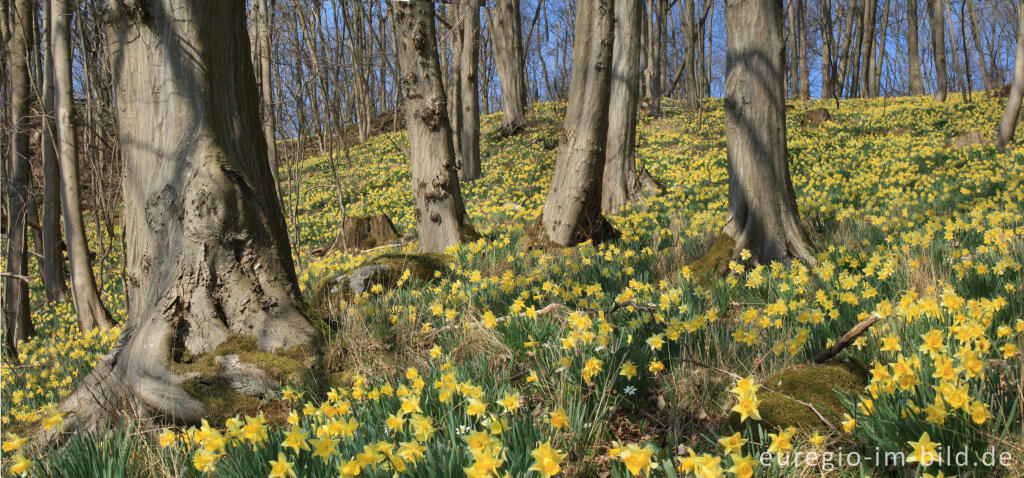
847	338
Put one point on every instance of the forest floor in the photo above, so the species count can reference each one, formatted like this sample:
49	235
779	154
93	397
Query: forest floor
618	355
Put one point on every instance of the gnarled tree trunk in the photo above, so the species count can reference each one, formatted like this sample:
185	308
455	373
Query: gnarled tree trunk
572	209
1012	111
763	216
90	310
208	267
620	183
17	320
469	92
913	49
441	218
507	35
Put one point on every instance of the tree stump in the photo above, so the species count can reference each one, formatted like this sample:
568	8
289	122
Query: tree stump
815	117
366	232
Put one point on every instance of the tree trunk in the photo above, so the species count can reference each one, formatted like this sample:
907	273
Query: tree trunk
839	84
801	18
441	218
794	65
572	209
878	58
867	52
763	216
88	306
937	18
16	304
620	183
986	77
828	47
208	268
267	89
469	92
1012	111
507	36
53	253
689	64
659	25
913	50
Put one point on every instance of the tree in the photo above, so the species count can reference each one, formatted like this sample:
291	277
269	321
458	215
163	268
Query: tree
620	184
913	50
1013	102
441	218
88	307
828	47
17	320
801	19
656	52
572	209
505	27
53	253
469	91
208	269
763	216
937	18
267	87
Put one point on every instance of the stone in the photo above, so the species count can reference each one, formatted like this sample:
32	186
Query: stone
965	141
385	269
815	117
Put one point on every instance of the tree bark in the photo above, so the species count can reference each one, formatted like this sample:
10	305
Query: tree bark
620	183
828	48
867	52
794	65
689	63
53	253
469	91
572	209
986	77
16	304
763	216
88	306
878	58
441	218
267	89
507	36
659	13
839	84
1012	112
207	259
801	18
937	19
913	49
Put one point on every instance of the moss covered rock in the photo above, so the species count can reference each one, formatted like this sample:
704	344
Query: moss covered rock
814	384
385	269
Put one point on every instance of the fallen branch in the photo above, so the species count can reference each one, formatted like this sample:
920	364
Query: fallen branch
847	338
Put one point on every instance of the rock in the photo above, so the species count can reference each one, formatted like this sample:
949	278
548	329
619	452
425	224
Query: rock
385	269
815	117
367	232
967	140
814	384
1003	92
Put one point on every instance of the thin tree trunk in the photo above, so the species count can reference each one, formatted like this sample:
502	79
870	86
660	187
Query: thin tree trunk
828	47
989	82
689	63
441	218
839	84
1012	112
805	82
207	259
572	209
878	58
794	65
53	254
88	306
657	37
506	31
937	19
867	52
469	91
763	216
913	49
267	89
16	304
620	183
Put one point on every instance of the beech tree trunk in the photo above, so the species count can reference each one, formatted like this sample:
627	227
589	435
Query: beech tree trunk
88	306
53	254
986	77
913	49
827	50
207	259
689	63
1012	111
507	36
867	52
763	216
469	91
839	84
937	19
17	320
441	218
572	209
620	183
878	57
801	19
794	65
659	25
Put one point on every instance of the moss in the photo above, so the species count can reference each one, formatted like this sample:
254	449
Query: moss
716	261
814	384
292	365
219	400
421	266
